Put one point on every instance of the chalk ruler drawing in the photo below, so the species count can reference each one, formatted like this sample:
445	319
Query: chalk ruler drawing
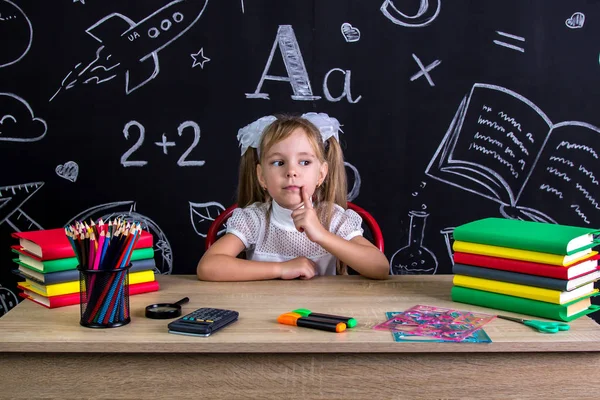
424	16
12	199
199	58
134	46
297	74
68	171
414	258
13	24
126	210
164	143
501	146
350	33
18	122
508	45
203	214
424	71
576	21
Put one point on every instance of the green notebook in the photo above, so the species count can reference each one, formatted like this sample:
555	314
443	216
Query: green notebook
65	264
565	312
528	235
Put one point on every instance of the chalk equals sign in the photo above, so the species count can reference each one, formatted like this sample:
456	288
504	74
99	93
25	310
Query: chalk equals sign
510	46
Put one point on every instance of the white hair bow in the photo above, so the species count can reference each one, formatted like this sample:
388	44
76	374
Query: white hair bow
250	135
328	126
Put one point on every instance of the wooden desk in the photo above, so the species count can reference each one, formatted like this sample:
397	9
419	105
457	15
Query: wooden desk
47	354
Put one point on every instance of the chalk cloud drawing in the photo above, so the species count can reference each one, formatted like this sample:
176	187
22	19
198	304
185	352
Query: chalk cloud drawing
203	214
576	21
134	46
501	146
14	24
68	171
424	70
18	122
424	16
294	65
199	59
8	300
414	258
508	45
12	199
350	33
126	210
355	177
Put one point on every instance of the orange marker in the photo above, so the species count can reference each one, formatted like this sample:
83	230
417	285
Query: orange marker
296	319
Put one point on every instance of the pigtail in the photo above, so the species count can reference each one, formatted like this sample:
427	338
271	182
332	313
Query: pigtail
334	188
249	189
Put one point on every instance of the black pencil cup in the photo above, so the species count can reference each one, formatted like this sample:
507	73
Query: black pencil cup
104	297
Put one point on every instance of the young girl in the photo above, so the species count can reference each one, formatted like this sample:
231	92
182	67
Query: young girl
292	219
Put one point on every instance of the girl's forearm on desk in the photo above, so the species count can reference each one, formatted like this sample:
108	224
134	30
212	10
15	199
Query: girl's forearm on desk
221	267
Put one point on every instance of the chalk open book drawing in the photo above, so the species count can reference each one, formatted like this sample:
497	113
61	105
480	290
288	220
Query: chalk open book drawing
501	146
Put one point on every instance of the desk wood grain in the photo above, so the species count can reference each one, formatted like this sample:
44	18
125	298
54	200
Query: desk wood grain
30	327
52	357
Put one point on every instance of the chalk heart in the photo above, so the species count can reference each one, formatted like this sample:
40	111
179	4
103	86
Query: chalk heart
68	171
576	21
351	34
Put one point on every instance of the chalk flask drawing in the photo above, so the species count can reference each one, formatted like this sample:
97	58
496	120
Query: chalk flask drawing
501	146
414	258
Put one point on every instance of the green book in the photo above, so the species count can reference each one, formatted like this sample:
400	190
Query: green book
565	312
528	235
64	264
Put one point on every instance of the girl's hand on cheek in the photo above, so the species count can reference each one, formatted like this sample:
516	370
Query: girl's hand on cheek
306	219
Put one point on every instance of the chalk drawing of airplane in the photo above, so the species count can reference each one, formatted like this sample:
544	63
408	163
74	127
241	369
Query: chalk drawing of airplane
136	45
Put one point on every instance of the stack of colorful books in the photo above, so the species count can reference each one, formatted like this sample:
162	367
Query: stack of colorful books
48	264
532	268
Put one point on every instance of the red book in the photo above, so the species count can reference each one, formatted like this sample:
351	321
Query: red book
525	267
51	244
73	298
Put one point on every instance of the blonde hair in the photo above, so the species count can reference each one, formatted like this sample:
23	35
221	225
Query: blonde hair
333	189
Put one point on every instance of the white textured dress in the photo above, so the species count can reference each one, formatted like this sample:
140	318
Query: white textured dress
278	240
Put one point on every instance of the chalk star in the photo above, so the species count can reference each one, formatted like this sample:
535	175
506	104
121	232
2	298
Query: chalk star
164	144
198	55
81	1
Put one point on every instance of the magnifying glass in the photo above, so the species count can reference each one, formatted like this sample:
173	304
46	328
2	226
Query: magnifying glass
165	310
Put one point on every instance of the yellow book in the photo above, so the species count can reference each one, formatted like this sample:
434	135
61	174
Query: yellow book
56	289
524	291
518	254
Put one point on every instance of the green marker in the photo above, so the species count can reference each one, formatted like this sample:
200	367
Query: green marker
349	321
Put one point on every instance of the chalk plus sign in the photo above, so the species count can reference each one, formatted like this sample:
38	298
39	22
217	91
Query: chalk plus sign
164	144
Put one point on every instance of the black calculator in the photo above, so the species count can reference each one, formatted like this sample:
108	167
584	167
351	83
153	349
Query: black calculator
203	322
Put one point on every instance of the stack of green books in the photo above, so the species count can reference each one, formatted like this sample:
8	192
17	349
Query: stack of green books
532	268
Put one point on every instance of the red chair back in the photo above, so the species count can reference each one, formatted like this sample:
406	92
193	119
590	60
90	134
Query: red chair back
368	219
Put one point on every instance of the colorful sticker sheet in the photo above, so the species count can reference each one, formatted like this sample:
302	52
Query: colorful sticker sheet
423	322
479	336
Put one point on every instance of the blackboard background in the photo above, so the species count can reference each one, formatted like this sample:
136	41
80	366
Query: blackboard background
390	134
